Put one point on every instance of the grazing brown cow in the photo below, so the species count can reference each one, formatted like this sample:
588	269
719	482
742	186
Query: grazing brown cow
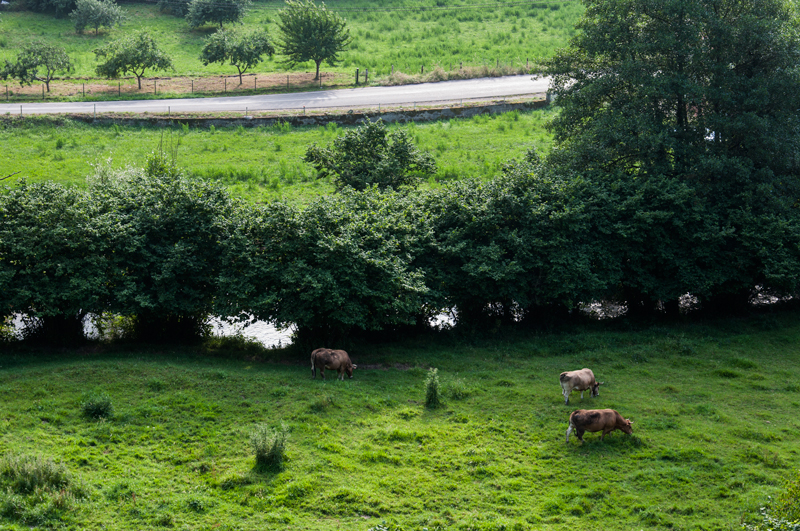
578	381
336	360
591	420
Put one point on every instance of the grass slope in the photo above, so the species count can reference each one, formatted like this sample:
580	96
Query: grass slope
714	409
259	163
407	37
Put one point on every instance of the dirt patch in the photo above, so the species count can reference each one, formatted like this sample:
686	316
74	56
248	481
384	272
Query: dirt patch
385	367
252	84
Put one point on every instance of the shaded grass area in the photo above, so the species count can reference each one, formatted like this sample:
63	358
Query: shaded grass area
408	38
258	163
714	409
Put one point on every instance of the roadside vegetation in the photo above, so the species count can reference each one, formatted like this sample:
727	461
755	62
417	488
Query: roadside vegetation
259	163
227	433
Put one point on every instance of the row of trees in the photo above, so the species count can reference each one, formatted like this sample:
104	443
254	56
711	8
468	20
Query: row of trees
309	32
168	250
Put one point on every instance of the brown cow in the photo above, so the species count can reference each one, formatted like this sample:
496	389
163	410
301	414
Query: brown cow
578	381
591	420
336	360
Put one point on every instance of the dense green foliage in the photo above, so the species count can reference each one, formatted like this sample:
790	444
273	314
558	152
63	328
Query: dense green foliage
683	117
311	32
38	61
714	408
201	12
135	53
96	14
244	51
370	155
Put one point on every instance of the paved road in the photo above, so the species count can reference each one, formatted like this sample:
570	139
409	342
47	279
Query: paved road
446	91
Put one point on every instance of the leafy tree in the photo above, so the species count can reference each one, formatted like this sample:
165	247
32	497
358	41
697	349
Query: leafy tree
310	32
164	231
242	51
216	11
38	61
52	262
60	7
96	14
370	155
342	264
688	108
135	54
667	88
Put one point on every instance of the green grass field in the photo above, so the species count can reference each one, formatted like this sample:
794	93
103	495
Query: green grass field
714	407
264	162
400	34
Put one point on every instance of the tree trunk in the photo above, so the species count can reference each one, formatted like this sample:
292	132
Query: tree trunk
240	76
47	84
318	63
139	79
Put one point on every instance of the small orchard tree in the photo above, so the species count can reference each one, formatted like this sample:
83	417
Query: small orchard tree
96	14
370	155
243	51
135	54
38	61
216	12
310	32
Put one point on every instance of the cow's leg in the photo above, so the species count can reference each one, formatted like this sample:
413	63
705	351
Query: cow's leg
313	371
322	372
581	395
579	432
569	430
341	374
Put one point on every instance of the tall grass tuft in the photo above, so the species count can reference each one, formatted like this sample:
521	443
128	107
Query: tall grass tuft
269	445
24	474
432	391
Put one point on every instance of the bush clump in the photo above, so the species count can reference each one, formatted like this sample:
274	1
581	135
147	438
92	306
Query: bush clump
269	445
97	405
432	391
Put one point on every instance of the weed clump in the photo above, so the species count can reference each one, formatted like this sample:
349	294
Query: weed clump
269	445
97	405
432	391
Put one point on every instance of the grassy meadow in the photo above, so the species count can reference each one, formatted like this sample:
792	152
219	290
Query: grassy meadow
714	408
259	163
399	33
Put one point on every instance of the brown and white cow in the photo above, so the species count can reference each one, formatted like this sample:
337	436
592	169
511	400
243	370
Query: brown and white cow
336	360
591	420
578	381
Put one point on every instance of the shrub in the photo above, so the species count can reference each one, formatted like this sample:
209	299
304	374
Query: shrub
97	405
432	392
269	445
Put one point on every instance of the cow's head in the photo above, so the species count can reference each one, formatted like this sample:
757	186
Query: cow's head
349	370
596	388
626	427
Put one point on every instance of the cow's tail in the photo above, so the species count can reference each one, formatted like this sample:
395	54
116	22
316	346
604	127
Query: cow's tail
313	367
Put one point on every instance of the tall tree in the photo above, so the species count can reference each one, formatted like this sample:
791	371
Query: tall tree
135	54
96	14
216	12
243	51
38	61
658	87
310	32
684	115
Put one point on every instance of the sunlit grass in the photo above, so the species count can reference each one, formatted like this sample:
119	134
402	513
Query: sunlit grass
260	163
706	449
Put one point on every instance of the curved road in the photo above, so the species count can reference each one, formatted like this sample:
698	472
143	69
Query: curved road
424	93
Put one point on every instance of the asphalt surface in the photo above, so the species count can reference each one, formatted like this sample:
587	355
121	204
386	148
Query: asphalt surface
358	98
